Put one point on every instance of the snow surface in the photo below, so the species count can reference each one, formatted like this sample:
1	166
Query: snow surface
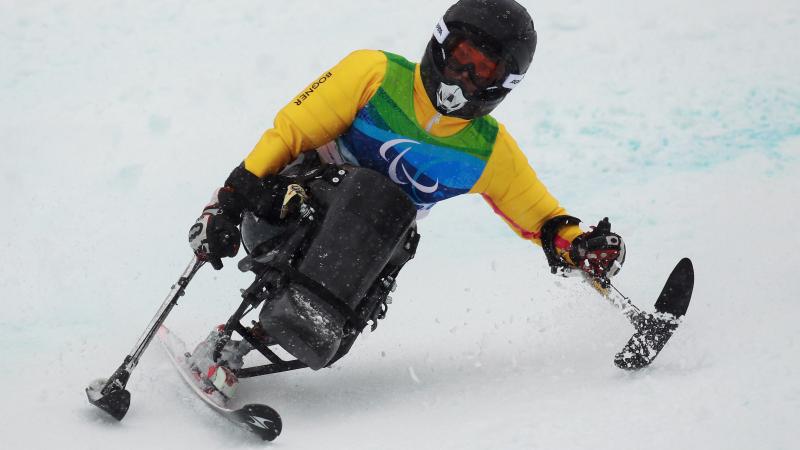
679	119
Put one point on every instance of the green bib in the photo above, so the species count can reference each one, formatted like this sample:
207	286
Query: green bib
386	137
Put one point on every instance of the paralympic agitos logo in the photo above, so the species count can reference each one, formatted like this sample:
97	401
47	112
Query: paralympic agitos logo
397	162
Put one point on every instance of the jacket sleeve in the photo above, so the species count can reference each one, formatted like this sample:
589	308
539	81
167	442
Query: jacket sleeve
516	194
319	113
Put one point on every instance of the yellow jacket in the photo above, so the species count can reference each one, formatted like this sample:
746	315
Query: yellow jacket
327	107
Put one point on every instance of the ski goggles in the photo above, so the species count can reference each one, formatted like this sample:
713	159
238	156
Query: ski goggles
457	50
483	69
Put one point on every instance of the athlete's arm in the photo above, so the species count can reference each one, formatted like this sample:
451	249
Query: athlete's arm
516	194
319	113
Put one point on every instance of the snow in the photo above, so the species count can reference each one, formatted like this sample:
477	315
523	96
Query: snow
680	120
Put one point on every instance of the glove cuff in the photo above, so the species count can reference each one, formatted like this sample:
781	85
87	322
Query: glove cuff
244	183
548	234
246	191
240	191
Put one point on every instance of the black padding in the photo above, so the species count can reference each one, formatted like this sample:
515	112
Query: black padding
363	229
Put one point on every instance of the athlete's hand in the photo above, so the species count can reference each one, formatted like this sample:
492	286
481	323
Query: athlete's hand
599	252
215	234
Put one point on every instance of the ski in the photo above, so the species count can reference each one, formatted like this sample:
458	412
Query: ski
257	418
653	330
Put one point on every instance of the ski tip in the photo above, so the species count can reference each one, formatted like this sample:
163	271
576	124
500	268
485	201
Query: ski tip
261	419
685	264
684	272
677	292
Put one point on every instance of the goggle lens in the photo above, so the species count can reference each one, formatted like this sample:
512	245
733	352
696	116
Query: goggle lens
483	69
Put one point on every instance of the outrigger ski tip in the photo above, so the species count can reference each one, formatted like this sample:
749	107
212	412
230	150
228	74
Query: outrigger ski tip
109	394
115	402
654	330
677	292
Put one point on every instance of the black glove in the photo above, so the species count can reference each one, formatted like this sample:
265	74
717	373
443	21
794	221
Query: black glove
215	234
600	253
281	199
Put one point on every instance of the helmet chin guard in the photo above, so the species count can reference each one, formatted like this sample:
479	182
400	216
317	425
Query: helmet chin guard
450	98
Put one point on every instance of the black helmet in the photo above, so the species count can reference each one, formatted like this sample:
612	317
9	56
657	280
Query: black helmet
499	33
